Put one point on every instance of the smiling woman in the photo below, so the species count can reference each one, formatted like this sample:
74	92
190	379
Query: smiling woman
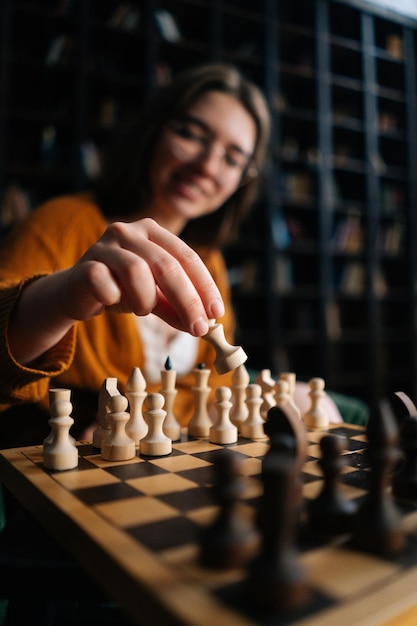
199	162
120	277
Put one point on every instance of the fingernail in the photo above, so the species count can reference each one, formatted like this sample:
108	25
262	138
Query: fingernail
217	309
200	327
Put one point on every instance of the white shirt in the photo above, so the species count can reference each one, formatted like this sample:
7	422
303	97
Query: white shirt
161	341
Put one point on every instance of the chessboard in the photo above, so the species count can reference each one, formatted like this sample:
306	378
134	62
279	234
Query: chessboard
136	526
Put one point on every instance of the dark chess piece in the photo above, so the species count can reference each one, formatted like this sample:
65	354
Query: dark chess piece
280	422
230	541
404	482
331	512
377	525
276	579
402	406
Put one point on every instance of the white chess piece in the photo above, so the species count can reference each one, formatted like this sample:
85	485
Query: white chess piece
223	431
118	446
283	398
57	394
171	427
136	428
61	453
316	417
228	357
239	410
253	427
267	383
155	442
107	390
200	423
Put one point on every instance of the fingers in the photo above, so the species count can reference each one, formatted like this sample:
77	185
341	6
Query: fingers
140	267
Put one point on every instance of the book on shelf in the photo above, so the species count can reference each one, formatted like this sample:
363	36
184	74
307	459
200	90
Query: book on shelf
333	323
352	280
348	235
244	277
90	159
125	17
59	50
283	276
167	26
391	238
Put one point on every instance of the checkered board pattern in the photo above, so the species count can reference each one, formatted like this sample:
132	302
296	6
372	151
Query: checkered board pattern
163	503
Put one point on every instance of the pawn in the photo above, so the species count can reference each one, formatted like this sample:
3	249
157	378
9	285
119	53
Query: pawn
239	410
155	442
267	383
404	482
253	426
136	427
200	423
118	446
283	397
228	357
331	513
230	540
61	454
223	431
291	379
316	417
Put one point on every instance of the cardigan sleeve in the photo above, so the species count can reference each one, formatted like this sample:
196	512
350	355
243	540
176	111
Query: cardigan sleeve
19	383
52	238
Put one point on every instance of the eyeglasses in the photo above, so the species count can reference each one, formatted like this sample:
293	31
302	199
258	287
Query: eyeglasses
191	143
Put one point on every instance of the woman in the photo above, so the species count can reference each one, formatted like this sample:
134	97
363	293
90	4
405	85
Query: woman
94	285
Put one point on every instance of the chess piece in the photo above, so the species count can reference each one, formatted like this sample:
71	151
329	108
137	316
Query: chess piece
200	423
402	406
57	394
107	390
228	357
136	427
230	540
330	513
281	422
276	579
316	417
223	431
267	383
377	524
171	427
283	397
239	410
290	378
61	454
253	426
404	481
117	446
155	442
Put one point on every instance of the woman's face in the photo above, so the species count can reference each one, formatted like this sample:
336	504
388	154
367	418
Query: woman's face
199	159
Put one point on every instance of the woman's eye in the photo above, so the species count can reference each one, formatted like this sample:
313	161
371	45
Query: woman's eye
190	133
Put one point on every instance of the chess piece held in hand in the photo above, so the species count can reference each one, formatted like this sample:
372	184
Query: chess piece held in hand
228	357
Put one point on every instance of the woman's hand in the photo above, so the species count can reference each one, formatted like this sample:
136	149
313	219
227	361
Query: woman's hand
137	267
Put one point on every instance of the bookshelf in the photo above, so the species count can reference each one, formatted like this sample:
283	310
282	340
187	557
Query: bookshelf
324	272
